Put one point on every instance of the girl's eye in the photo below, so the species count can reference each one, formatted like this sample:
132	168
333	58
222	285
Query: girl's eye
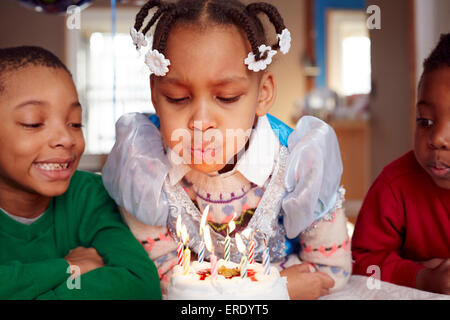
76	125
32	125
176	100
229	100
423	122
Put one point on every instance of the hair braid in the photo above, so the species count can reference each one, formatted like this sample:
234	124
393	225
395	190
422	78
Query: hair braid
167	20
163	8
223	12
143	13
271	12
243	20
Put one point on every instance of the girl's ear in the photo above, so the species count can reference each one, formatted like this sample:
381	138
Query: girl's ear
267	94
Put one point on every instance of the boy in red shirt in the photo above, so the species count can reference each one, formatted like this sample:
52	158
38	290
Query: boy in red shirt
404	224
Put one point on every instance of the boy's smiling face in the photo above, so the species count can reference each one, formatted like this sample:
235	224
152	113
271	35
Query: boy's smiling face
41	141
432	138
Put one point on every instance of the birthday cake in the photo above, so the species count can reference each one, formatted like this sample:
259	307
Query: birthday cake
198	284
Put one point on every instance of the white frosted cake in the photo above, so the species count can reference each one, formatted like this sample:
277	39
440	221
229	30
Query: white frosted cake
197	284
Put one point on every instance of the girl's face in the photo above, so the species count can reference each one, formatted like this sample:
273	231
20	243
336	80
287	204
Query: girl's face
41	141
208	101
432	138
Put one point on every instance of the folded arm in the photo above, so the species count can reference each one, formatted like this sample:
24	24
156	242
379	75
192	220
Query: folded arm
378	237
29	280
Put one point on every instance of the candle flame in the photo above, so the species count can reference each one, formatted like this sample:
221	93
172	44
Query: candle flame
240	244
184	234
203	221
208	241
232	224
179	226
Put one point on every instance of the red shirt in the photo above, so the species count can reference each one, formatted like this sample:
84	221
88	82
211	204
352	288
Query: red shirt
405	218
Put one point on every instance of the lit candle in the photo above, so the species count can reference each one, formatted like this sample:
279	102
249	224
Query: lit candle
241	247
180	243
187	252
266	258
230	228
214	269
251	250
201	254
213	258
186	260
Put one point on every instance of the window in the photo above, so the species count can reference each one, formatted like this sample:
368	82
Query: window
348	52
355	74
110	75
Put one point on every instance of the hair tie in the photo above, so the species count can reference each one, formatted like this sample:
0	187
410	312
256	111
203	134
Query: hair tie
156	61
258	65
284	41
138	38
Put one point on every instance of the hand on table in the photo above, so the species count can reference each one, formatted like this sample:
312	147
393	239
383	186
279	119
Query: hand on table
86	259
432	263
306	285
435	277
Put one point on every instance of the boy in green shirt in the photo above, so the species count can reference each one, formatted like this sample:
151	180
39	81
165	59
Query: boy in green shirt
61	236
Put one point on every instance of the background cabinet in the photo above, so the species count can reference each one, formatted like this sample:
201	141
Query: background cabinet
354	142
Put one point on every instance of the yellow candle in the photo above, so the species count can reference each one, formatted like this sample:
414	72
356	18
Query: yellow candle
186	260
187	252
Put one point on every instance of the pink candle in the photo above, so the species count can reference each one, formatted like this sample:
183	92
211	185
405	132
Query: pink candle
213	260
180	253
180	248
251	252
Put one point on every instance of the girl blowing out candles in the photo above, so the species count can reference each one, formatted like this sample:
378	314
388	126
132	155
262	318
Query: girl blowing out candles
213	143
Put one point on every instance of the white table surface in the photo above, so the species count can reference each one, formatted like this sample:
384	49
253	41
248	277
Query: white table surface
357	288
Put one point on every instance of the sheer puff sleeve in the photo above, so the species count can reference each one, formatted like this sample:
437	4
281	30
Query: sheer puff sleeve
313	205
136	168
313	174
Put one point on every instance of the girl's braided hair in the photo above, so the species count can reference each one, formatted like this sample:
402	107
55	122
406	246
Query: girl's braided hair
223	12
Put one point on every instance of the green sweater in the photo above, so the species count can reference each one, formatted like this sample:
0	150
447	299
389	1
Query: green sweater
32	264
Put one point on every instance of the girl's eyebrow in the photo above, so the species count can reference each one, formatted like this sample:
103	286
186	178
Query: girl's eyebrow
42	103
231	79
221	81
169	80
32	102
